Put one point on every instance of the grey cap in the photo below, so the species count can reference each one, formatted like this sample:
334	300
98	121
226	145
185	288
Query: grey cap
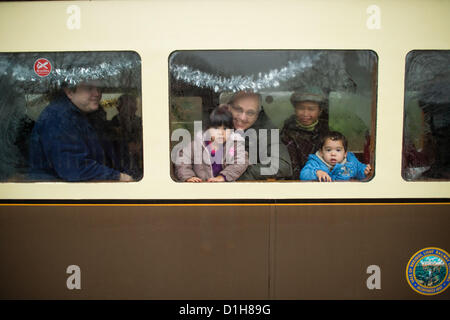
313	94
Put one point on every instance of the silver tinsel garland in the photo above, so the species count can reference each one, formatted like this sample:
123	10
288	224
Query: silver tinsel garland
111	68
72	76
271	79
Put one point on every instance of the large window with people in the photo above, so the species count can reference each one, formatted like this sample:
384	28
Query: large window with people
272	115
426	130
70	116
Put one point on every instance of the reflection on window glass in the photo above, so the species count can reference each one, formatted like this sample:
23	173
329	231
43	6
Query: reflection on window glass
272	115
426	134
70	116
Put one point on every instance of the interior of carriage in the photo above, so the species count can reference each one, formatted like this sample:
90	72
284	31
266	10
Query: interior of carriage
426	128
25	94
201	80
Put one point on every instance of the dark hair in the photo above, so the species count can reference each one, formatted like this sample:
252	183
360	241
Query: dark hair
125	98
334	136
221	116
56	92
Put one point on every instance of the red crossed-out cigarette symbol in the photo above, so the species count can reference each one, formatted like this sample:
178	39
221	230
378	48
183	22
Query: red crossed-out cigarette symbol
41	65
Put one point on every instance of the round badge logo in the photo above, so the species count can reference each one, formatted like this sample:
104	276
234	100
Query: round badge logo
42	67
427	272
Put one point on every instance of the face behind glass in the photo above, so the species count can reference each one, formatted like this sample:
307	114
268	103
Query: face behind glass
245	111
219	134
127	108
86	96
307	112
333	152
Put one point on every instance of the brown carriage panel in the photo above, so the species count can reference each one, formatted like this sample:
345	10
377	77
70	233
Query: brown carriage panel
323	251
135	252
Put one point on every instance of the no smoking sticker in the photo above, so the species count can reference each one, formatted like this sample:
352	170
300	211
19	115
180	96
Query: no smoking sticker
42	67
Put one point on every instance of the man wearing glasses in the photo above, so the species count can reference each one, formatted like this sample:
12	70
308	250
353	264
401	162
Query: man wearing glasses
270	156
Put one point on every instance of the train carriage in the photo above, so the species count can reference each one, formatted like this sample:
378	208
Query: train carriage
384	69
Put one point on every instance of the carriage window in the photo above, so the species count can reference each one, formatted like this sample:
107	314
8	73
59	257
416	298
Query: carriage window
426	131
70	116
254	115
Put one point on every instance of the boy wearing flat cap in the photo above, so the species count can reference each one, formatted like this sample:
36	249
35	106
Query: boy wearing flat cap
303	130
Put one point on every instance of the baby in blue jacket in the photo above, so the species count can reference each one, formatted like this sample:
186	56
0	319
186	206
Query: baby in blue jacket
332	162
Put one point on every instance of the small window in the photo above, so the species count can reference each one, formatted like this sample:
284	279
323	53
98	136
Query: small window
282	104
426	130
70	116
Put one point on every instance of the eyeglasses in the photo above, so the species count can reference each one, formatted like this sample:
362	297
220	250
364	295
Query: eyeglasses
249	113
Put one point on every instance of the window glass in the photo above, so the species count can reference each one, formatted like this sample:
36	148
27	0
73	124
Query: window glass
426	133
70	116
282	103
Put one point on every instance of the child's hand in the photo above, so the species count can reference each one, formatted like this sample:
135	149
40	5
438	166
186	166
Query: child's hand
219	178
367	170
194	179
125	177
323	176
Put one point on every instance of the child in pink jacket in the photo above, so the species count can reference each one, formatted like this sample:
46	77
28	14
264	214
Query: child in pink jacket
224	161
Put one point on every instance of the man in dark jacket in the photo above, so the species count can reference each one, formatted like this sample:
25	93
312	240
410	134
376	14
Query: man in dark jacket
268	157
64	145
